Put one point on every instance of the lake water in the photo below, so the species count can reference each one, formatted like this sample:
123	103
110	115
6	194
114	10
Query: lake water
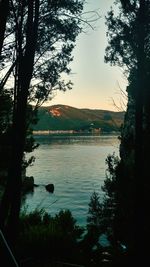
75	165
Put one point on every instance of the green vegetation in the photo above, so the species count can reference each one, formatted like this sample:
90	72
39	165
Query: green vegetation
31	33
43	236
126	202
60	117
54	239
37	39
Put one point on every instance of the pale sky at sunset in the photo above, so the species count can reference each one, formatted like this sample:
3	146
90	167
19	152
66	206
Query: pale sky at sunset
95	82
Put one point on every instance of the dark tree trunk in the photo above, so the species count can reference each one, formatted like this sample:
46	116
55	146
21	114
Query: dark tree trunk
10	206
4	8
140	177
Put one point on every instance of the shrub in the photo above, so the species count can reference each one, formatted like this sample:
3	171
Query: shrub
42	235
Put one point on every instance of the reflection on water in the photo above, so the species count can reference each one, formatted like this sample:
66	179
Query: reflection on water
76	138
75	164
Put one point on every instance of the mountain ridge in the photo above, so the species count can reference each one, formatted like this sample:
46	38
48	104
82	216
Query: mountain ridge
64	117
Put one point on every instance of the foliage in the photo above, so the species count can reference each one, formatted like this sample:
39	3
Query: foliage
102	211
42	235
111	190
58	25
122	35
129	42
128	31
111	215
39	39
94	219
5	111
110	181
56	238
118	203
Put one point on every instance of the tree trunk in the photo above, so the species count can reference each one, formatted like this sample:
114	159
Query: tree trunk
140	212
24	70
4	8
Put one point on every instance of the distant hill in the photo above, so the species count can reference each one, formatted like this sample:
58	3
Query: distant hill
62	117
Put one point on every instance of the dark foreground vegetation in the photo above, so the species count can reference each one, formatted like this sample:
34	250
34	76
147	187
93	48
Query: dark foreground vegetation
55	239
30	34
58	241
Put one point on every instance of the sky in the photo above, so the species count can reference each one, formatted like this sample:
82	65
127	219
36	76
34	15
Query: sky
95	83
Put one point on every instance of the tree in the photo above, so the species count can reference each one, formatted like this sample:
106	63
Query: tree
41	39
5	111
94	219
4	9
128	47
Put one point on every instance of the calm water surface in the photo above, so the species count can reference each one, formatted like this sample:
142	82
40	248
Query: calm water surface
76	166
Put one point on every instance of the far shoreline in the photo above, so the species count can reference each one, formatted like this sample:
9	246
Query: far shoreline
72	132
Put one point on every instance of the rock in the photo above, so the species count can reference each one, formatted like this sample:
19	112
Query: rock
36	185
28	184
50	188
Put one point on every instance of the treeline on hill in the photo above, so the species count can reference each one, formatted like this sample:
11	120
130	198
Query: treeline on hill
123	214
62	117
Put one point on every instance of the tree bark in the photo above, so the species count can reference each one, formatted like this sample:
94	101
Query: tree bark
4	8
140	177
10	206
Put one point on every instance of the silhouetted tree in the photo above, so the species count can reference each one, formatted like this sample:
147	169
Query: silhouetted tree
94	219
129	42
5	111
4	9
41	38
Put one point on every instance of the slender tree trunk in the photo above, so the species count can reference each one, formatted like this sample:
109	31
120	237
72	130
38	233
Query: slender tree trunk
140	212
4	8
24	70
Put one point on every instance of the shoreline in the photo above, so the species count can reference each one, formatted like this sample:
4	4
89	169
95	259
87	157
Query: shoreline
72	132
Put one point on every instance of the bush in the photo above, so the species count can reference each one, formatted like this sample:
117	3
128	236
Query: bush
44	236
